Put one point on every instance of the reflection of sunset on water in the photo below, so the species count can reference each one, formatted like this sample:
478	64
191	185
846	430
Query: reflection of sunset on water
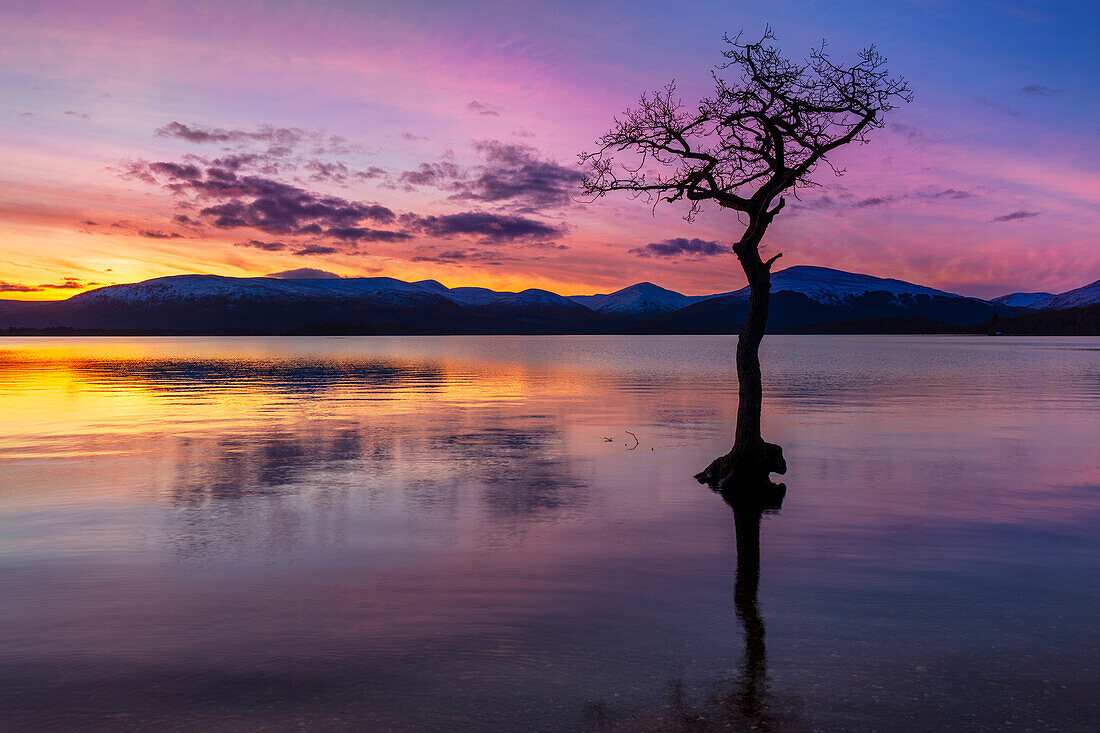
365	512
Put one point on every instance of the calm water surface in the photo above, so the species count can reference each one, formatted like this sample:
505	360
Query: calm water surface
455	534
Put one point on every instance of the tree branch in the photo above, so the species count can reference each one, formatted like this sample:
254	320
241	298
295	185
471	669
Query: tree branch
763	131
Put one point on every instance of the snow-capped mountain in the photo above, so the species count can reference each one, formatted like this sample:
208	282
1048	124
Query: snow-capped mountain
1076	298
804	299
835	287
533	297
637	300
1021	300
198	287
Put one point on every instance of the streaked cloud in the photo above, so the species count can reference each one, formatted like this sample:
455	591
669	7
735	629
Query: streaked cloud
1016	216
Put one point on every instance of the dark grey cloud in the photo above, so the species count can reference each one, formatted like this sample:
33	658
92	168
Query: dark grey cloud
681	247
482	108
1038	90
1016	216
156	234
304	273
489	227
74	113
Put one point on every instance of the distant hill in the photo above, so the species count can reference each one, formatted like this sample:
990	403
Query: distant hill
1081	321
804	300
637	301
1021	300
837	287
1087	295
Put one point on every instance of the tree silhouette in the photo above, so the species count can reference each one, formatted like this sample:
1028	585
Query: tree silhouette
766	128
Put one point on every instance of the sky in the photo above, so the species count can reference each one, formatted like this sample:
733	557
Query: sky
439	140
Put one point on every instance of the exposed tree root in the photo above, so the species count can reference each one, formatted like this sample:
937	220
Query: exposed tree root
744	469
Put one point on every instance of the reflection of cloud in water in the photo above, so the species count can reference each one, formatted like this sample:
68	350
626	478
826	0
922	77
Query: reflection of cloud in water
265	490
247	490
295	376
523	470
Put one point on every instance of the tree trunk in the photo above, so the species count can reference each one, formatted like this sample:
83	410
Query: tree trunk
749	388
751	459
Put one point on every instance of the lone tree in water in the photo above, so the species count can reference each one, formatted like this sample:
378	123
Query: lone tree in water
767	127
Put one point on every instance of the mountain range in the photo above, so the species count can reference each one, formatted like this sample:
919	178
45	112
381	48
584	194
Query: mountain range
805	299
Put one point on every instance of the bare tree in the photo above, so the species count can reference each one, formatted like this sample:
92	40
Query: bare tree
767	127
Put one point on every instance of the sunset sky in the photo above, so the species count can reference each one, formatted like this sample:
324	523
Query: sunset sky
439	140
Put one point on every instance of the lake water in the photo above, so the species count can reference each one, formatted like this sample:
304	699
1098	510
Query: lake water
456	534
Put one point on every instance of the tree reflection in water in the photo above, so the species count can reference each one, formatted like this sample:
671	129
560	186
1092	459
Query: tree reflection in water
748	512
743	703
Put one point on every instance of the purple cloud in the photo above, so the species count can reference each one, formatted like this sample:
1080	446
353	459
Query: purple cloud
515	173
227	198
316	249
482	108
263	203
490	227
340	173
281	136
512	174
293	248
365	234
680	248
456	256
432	174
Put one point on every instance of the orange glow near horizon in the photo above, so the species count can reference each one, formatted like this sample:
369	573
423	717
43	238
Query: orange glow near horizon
959	191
